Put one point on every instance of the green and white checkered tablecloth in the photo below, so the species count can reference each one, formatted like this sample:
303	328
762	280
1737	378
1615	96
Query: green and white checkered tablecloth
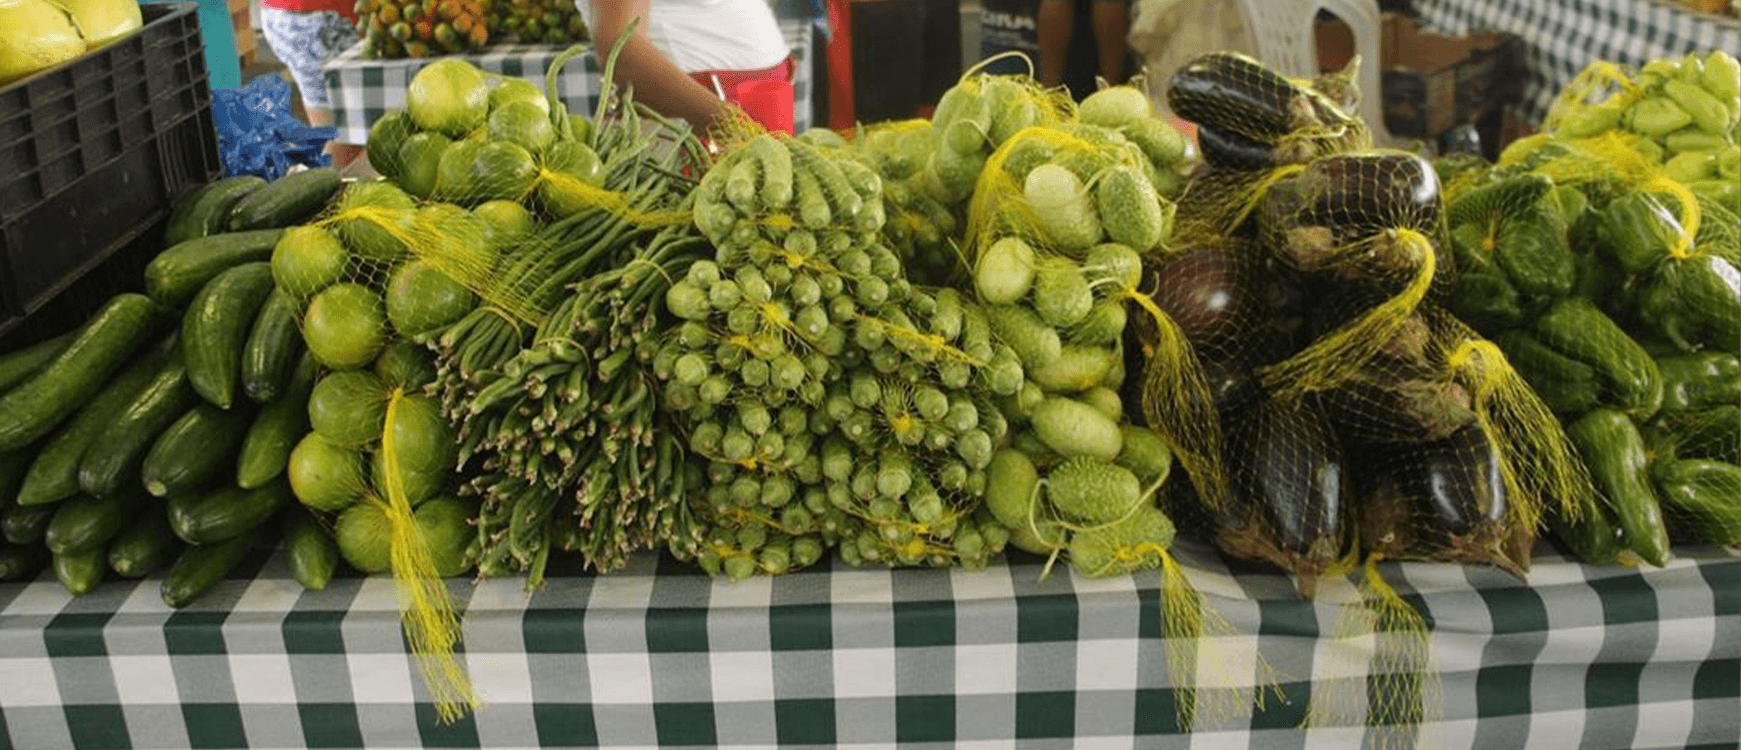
1562	37
362	90
661	656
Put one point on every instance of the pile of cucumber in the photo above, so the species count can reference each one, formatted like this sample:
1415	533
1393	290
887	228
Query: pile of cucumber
157	433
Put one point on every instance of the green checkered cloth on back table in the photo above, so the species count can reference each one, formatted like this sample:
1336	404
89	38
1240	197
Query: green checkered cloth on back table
363	90
1561	38
661	656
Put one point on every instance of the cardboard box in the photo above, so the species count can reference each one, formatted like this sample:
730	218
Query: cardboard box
1433	83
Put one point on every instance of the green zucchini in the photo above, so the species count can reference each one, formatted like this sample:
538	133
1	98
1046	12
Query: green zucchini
207	210
287	201
201	567
216	327
312	552
207	517
16	366
193	451
112	462
269	357
280	426
177	274
86	522
32	409
54	475
145	546
79	572
20	561
25	524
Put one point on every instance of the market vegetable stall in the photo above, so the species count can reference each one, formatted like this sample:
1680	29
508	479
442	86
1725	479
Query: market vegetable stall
660	655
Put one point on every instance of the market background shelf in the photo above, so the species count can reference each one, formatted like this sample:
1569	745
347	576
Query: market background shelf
96	151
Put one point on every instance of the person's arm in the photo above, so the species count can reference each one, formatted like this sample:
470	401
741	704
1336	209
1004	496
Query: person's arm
657	81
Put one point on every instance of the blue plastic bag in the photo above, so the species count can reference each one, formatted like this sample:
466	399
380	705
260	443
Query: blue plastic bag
258	135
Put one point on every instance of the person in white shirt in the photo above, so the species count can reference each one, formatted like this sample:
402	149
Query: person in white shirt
683	49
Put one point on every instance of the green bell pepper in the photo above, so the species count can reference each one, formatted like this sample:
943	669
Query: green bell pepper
1564	384
1620	468
1577	330
1594	537
1702	496
1533	252
1638	230
1694	382
1693	301
1714	433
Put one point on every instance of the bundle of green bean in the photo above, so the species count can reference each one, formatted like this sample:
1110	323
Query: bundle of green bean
837	403
557	428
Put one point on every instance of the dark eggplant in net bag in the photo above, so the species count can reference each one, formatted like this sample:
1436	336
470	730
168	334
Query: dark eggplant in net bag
1290	493
1443	500
1398	405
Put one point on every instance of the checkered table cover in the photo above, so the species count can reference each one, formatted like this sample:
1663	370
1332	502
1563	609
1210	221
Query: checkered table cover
1562	37
363	90
661	656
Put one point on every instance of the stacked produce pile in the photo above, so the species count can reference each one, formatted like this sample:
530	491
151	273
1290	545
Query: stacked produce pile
1602	257
394	29
39	34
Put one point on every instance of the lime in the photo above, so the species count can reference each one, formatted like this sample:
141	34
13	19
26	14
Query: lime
348	408
325	476
307	260
454	180
448	96
503	171
523	124
420	160
381	221
506	223
447	532
455	241
421	438
509	90
574	168
385	138
421	299
418	486
406	366
365	536
345	326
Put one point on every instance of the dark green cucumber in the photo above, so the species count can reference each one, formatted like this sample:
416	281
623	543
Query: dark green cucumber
1614	451
54	475
207	517
216	326
25	524
13	465
207	210
269	357
194	451
201	567
31	410
20	561
79	572
312	552
112	462
16	366
280	426
287	201
145	546
86	522
177	274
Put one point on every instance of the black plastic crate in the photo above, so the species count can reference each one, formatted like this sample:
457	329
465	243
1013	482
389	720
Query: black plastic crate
95	152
